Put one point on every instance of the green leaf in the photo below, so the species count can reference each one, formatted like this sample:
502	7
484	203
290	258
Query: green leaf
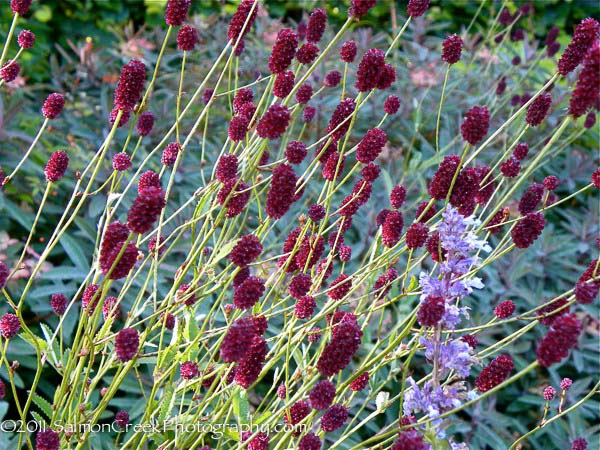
43	404
75	252
240	406
166	402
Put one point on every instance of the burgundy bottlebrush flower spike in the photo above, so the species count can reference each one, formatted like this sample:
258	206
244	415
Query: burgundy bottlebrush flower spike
538	109
145	123
121	162
9	326
359	8
130	85
284	50
58	302
585	35
227	167
246	250
452	49
127	343
146	209
176	12
57	166
242	20
281	194
9	70
187	38
20	7
495	373
322	395
316	25
561	337
47	439
476	124
587	91
528	229
26	39
348	51
284	83
417	8
334	418
304	93
274	123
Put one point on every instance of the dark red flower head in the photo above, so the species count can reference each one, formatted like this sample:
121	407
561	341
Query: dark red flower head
148	179
359	8
47	439
238	127
322	395
344	343
442	180
332	78
538	109
528	229
127	343
531	198
234	196
495	373
90	298
130	85
579	444
520	151
20	7
348	51
308	114
53	106
9	326
145	210
188	370
307	53
316	25
416	235
169	156
121	162
476	124
274	122
187	38
284	50
505	309
122	418
176	12
585	35
145	123
371	145
58	302
248	293
417	8
587	91
26	39
334	418
391	231
305	307
451	49
391	104
310	442
284	83
370	69
431	311
246	250
9	70
227	167
242	20
340	119
57	166
281	194
561	337
295	152
304	93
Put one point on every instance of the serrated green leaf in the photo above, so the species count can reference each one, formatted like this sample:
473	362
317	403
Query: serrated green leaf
166	402
43	404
